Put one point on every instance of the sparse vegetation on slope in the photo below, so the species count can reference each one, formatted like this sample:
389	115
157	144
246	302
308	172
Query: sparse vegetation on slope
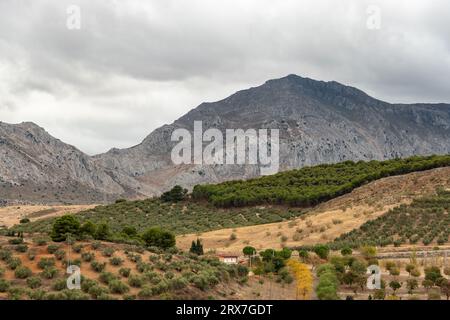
311	185
426	221
181	217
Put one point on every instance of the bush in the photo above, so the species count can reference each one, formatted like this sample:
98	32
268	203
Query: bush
116	261
87	256
117	286
125	272
178	283
31	254
107	277
97	266
52	248
60	254
15	241
145	292
97	292
63	226
177	193
59	284
102	232
135	281
21	248
160	288
108	251
322	251
96	244
46	262
158	238
49	272
5	254
24	220
34	282
4	285
14	263
77	248
22	272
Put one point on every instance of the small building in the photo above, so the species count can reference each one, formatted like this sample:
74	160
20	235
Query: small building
228	258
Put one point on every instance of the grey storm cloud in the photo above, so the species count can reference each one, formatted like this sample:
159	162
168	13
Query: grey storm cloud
135	65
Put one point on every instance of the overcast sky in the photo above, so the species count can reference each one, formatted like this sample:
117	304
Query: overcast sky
136	65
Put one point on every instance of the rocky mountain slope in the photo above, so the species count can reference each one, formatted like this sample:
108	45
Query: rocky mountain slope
319	122
36	167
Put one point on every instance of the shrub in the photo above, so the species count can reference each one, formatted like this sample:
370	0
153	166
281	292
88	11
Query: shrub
145	292
24	220
116	261
31	254
178	283
88	228
5	254
108	251
322	251
143	267
77	248
21	248
14	263
98	292
98	266
49	272
160	288
117	286
34	282
52	248
135	281
125	272
96	244
15	293
346	251
60	254
22	272
87	256
36	294
63	226
86	284
159	238
200	282
107	277
177	193
15	241
59	284
4	285
2	272
46	262
102	232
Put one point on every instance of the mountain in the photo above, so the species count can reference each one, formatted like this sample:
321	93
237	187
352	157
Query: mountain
319	122
36	167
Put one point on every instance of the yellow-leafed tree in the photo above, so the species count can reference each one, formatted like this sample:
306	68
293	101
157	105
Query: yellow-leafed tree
303	277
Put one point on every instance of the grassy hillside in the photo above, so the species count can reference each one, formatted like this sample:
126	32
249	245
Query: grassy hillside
181	217
311	185
36	270
426	221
